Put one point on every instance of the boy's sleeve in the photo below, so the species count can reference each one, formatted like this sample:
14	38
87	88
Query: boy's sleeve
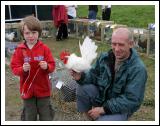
17	63
50	60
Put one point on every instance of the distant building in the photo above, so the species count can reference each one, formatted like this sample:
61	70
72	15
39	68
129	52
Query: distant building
15	13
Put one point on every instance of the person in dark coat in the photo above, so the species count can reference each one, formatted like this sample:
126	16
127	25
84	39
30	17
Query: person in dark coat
106	12
113	89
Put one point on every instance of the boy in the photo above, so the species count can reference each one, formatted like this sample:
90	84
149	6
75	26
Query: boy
32	61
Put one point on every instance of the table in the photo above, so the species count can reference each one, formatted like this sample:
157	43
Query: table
88	22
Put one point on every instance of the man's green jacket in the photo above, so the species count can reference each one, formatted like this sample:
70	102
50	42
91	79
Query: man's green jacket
121	91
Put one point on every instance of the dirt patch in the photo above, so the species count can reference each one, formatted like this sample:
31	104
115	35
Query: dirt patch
13	103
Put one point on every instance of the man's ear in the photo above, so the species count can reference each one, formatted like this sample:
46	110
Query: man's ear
131	44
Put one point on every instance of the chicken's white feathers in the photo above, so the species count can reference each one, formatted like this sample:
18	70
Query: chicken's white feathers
88	54
88	49
10	36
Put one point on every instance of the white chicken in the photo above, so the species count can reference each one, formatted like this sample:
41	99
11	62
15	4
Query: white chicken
10	36
80	64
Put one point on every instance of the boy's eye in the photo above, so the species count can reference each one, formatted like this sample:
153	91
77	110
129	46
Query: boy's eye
26	33
33	33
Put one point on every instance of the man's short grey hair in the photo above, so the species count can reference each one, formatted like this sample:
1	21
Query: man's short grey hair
125	31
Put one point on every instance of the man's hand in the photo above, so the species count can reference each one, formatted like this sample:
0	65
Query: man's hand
96	112
43	65
26	67
75	75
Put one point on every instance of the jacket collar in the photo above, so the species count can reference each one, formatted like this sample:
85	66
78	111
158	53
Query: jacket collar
132	56
24	45
111	55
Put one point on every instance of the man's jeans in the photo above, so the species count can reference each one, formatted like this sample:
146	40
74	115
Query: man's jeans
92	15
85	100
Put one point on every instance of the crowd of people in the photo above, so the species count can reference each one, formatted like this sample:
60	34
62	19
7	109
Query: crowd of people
62	13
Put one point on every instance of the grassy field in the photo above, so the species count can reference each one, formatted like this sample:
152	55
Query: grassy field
130	15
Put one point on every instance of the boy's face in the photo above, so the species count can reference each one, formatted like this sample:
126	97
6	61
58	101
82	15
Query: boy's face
31	37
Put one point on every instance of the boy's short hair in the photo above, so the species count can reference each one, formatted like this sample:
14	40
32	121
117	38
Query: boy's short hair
32	23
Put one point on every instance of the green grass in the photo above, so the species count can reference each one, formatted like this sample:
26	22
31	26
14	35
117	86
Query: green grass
130	15
150	88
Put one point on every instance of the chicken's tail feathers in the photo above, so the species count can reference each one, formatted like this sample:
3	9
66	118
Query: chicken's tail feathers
88	49
10	36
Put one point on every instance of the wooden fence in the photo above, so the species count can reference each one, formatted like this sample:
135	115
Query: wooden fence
144	38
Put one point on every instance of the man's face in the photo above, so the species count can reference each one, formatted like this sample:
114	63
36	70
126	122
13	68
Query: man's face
121	46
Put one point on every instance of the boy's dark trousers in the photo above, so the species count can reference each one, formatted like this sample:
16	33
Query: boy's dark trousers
37	106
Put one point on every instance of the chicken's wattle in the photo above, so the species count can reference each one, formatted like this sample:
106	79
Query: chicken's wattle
63	57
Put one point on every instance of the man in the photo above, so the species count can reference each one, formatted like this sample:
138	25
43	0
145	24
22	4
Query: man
106	12
92	15
72	14
93	10
113	89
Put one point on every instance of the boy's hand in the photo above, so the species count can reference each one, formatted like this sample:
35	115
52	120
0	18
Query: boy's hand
26	67
43	65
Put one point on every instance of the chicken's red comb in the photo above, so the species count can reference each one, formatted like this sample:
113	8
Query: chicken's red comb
63	55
